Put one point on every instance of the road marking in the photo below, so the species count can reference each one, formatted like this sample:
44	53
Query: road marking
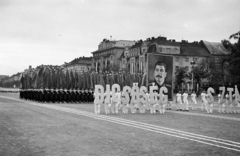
217	142
207	115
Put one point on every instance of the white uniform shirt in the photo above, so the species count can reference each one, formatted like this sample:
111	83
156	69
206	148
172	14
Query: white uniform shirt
227	96
193	95
185	96
178	97
203	95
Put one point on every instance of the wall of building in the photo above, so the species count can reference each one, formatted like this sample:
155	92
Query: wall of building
80	67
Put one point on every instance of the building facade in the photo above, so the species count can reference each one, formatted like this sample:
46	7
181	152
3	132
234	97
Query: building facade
185	54
107	57
81	64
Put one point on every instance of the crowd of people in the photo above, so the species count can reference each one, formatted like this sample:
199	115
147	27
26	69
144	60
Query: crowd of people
225	104
183	101
57	96
58	77
45	82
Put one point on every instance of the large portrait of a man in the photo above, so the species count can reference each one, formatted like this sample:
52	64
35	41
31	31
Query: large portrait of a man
160	72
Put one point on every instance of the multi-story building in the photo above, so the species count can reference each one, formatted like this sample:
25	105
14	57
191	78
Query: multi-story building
81	64
185	54
133	58
108	54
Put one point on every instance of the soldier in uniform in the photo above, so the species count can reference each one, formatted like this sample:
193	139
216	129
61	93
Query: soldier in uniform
91	96
74	96
56	91
70	95
61	95
21	94
51	95
84	96
46	95
41	95
81	96
77	95
65	95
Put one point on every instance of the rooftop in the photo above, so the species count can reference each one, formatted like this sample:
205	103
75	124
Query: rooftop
216	48
191	50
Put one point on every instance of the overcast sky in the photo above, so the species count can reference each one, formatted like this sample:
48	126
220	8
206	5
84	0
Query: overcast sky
35	32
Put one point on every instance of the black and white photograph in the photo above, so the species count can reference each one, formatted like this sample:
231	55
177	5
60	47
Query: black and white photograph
76	77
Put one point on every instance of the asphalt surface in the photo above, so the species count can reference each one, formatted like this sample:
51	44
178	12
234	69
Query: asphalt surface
30	128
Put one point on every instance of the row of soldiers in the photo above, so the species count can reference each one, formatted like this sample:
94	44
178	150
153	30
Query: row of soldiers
47	83
58	96
57	77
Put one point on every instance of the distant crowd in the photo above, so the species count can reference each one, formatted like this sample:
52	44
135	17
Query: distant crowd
57	77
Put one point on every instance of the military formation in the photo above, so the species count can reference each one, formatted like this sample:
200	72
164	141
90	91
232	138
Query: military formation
58	96
47	83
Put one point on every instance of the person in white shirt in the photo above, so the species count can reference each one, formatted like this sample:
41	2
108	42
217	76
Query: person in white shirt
185	101
118	105
209	104
124	104
219	103
227	103
107	103
234	104
133	106
237	103
203	97
152	104
141	104
156	105
97	105
169	105
147	107
194	101
162	105
179	100
113	103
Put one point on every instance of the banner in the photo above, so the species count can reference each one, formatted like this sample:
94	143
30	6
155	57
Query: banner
160	72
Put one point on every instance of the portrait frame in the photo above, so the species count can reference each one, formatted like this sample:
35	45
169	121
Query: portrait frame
152	59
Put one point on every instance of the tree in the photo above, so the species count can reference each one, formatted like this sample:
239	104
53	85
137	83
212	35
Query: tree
180	75
234	58
201	71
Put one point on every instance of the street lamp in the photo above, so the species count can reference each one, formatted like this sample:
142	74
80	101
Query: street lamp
192	63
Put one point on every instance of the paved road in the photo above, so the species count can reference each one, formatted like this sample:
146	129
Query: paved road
26	128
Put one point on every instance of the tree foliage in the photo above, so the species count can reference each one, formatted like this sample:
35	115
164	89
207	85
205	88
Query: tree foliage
234	58
201	71
180	75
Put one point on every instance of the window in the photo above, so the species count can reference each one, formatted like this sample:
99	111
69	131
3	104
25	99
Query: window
177	59
186	59
176	67
187	67
160	49
169	50
195	59
131	67
141	66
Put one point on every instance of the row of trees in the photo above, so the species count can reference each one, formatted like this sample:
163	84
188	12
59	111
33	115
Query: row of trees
10	82
227	73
